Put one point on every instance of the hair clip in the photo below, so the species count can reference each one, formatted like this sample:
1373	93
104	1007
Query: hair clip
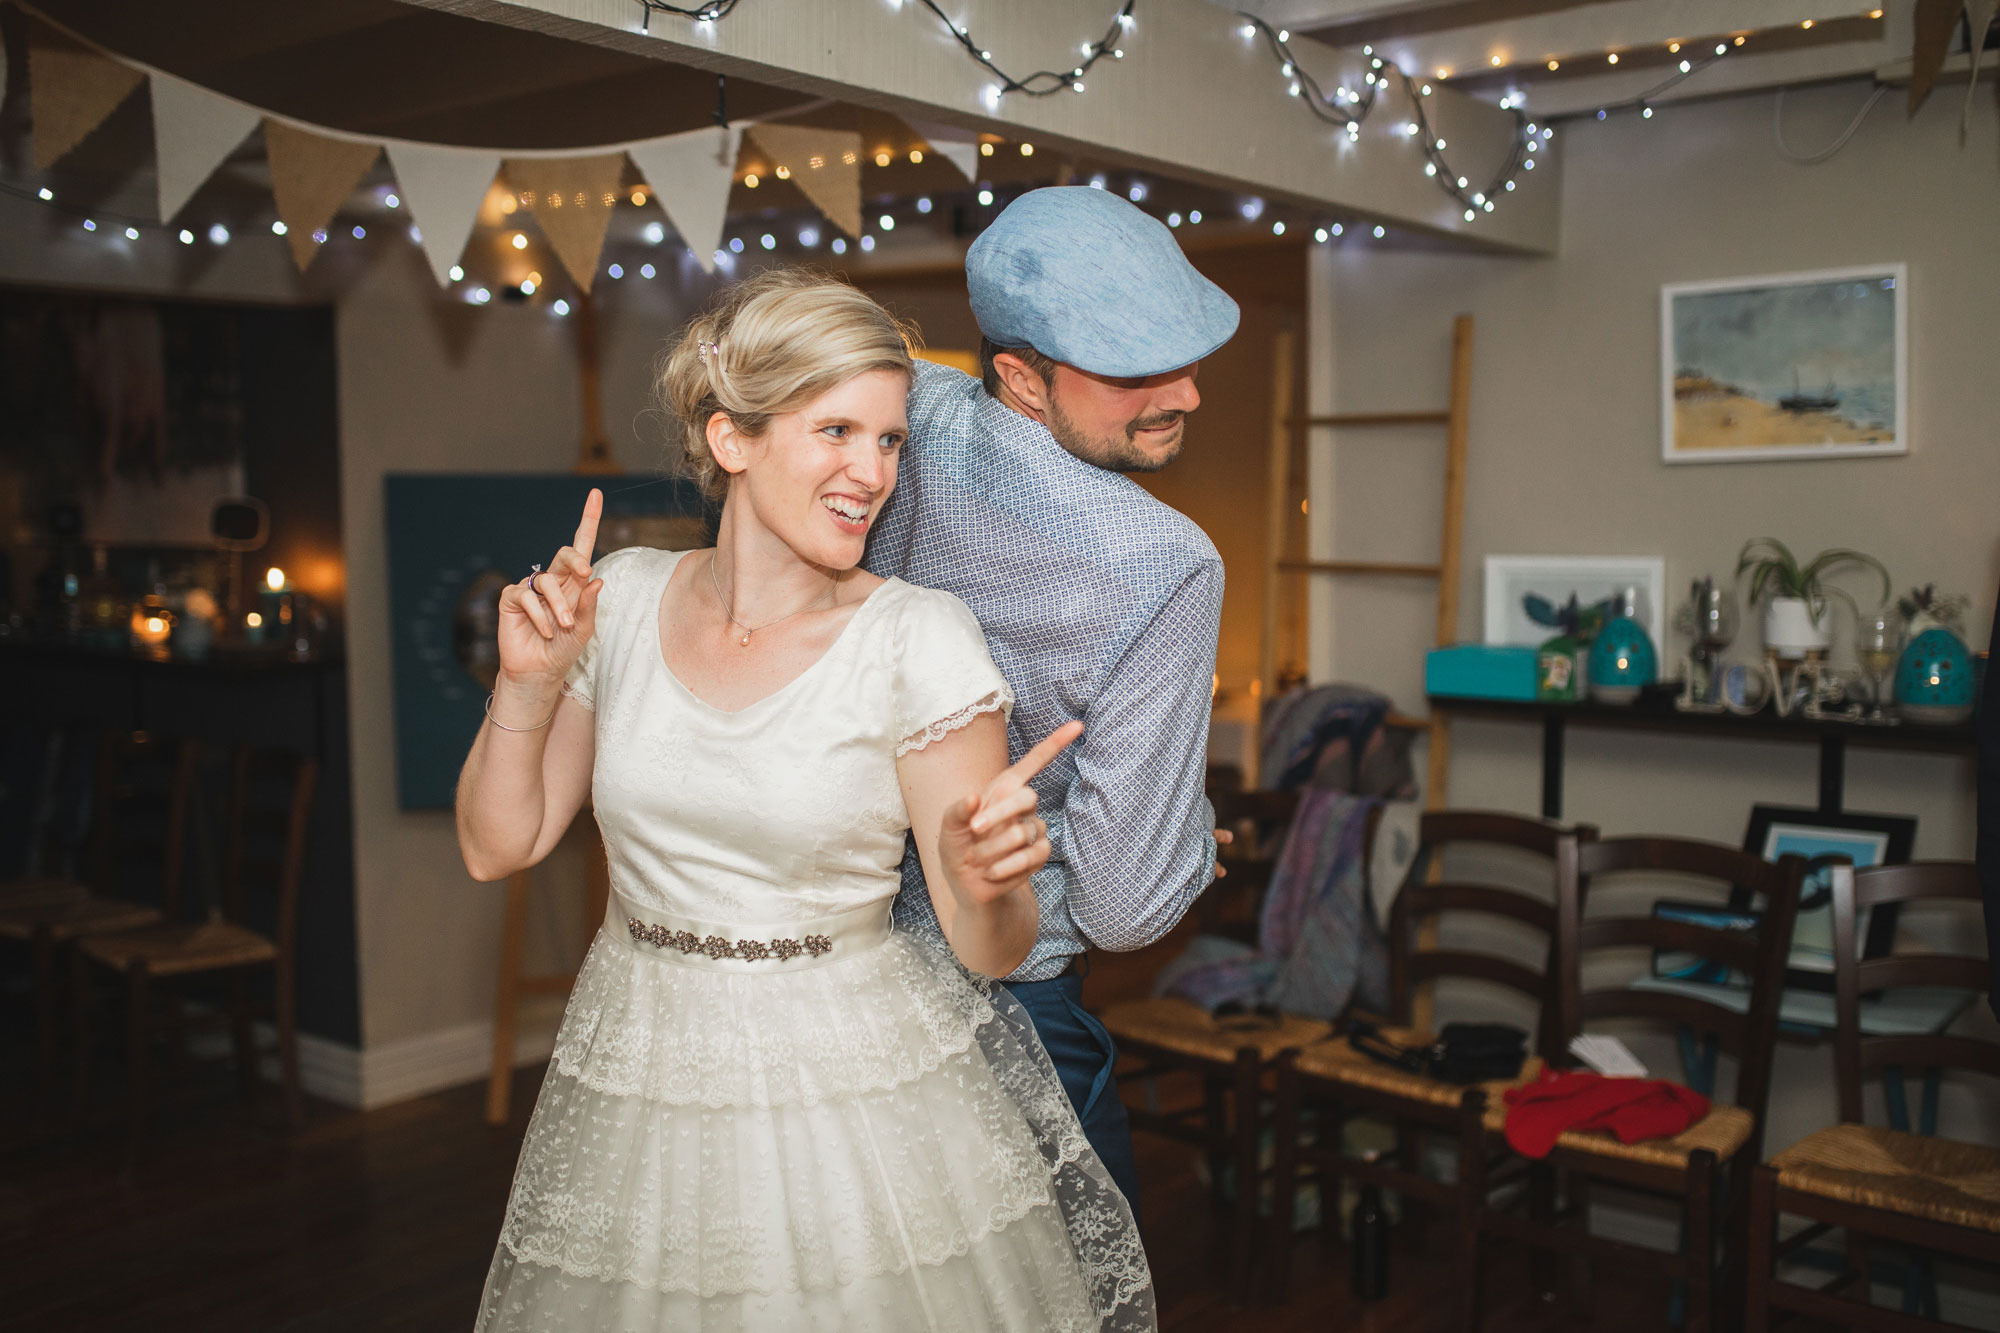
708	349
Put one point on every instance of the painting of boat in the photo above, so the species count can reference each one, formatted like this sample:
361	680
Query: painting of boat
1737	355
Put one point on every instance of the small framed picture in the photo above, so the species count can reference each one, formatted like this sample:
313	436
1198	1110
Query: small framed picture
1789	365
1866	840
1512	579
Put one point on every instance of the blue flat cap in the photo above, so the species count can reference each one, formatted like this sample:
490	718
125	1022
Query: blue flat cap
1083	277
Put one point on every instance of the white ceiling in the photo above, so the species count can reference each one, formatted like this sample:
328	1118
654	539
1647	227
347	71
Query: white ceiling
1495	48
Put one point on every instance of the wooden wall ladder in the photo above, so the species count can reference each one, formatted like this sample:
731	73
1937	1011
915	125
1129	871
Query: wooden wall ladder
1289	437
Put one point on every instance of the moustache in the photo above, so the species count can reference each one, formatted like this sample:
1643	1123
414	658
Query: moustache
1164	419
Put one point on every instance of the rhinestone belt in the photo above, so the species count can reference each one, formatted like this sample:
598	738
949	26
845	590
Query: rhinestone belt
752	948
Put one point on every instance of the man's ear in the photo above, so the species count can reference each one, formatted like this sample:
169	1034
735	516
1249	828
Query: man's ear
725	443
1026	387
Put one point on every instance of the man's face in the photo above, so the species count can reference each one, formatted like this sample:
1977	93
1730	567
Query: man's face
1121	425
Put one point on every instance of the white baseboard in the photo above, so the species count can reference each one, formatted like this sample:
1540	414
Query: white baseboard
399	1070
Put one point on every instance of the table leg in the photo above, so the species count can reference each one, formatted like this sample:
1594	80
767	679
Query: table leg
1832	771
1552	764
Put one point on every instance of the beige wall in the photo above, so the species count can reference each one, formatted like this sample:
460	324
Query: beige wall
1565	450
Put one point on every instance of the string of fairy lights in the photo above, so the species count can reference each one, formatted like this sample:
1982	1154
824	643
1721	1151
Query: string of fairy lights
1345	107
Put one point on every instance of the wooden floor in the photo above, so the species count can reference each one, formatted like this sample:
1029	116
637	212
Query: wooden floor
385	1220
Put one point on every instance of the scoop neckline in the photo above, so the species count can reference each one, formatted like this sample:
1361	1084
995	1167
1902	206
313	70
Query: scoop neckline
839	640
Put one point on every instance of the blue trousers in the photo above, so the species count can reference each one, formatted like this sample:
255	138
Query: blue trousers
1083	1053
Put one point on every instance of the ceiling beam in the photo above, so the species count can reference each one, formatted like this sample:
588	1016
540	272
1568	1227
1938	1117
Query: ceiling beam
1783	69
1599	29
1373	28
1193	98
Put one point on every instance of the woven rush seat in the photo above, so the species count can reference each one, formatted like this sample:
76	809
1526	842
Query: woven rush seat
168	950
69	916
1941	1180
1188	1029
1722	1131
1338	1062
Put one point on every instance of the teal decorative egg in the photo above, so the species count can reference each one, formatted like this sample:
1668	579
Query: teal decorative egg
1934	678
1622	659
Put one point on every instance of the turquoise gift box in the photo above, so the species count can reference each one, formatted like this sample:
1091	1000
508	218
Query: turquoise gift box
1481	671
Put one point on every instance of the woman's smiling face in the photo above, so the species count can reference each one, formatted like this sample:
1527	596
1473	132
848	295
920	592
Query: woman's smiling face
816	478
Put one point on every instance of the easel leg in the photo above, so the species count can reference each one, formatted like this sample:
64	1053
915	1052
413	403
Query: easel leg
507	1001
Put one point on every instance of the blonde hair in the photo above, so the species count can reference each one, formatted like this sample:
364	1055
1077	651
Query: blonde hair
771	345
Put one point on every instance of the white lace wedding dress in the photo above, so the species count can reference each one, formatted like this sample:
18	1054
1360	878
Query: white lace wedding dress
765	1109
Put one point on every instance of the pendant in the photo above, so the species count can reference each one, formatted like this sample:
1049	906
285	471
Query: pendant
745	641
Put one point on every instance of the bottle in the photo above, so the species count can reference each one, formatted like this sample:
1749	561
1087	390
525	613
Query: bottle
1368	1243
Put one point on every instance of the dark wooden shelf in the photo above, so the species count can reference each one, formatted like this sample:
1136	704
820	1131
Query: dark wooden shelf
1832	737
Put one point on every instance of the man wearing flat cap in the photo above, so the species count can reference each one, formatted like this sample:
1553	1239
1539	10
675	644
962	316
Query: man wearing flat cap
1099	602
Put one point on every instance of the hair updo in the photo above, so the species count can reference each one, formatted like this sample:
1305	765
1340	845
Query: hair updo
771	345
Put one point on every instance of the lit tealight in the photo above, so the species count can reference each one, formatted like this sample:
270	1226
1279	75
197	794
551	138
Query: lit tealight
274	579
255	620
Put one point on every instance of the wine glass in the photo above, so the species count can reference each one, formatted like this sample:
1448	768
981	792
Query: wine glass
1879	643
1712	626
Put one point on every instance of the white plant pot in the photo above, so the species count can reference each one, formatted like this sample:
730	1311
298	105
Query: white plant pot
1789	630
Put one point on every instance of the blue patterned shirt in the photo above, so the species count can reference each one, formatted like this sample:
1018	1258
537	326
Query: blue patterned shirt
1099	603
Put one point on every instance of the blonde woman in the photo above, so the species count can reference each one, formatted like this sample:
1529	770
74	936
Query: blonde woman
766	1108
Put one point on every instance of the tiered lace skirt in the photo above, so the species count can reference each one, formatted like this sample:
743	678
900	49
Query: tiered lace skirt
877	1142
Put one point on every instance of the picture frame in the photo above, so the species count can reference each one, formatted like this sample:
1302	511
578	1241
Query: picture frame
1864	839
1591	577
1784	366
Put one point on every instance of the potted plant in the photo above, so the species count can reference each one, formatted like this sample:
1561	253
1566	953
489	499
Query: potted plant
1795	617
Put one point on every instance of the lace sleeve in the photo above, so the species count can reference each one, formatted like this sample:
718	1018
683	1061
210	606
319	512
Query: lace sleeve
581	680
944	675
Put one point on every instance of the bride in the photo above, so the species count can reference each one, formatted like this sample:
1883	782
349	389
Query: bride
765	1108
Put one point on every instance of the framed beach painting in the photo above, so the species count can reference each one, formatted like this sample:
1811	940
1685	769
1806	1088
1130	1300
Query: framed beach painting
1793	365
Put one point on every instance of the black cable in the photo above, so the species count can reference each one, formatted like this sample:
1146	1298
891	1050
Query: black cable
1043	82
707	12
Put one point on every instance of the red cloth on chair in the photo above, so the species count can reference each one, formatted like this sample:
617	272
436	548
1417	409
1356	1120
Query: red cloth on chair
1631	1108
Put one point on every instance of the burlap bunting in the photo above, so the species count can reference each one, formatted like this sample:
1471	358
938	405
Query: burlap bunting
572	199
71	89
824	164
311	176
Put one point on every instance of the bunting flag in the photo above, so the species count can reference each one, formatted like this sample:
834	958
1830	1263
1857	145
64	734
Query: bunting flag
71	89
444	188
1978	18
311	177
824	164
956	146
193	132
691	175
964	156
572	199
1936	22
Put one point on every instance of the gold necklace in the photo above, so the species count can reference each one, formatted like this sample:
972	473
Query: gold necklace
748	630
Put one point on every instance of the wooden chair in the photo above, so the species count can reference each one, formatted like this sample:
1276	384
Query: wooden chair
1910	1189
1230	1056
1337	1081
1698	1168
142	793
266	843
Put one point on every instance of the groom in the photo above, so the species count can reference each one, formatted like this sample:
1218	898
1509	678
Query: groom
1099	602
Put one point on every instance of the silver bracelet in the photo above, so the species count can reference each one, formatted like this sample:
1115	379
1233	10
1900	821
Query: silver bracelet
504	727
